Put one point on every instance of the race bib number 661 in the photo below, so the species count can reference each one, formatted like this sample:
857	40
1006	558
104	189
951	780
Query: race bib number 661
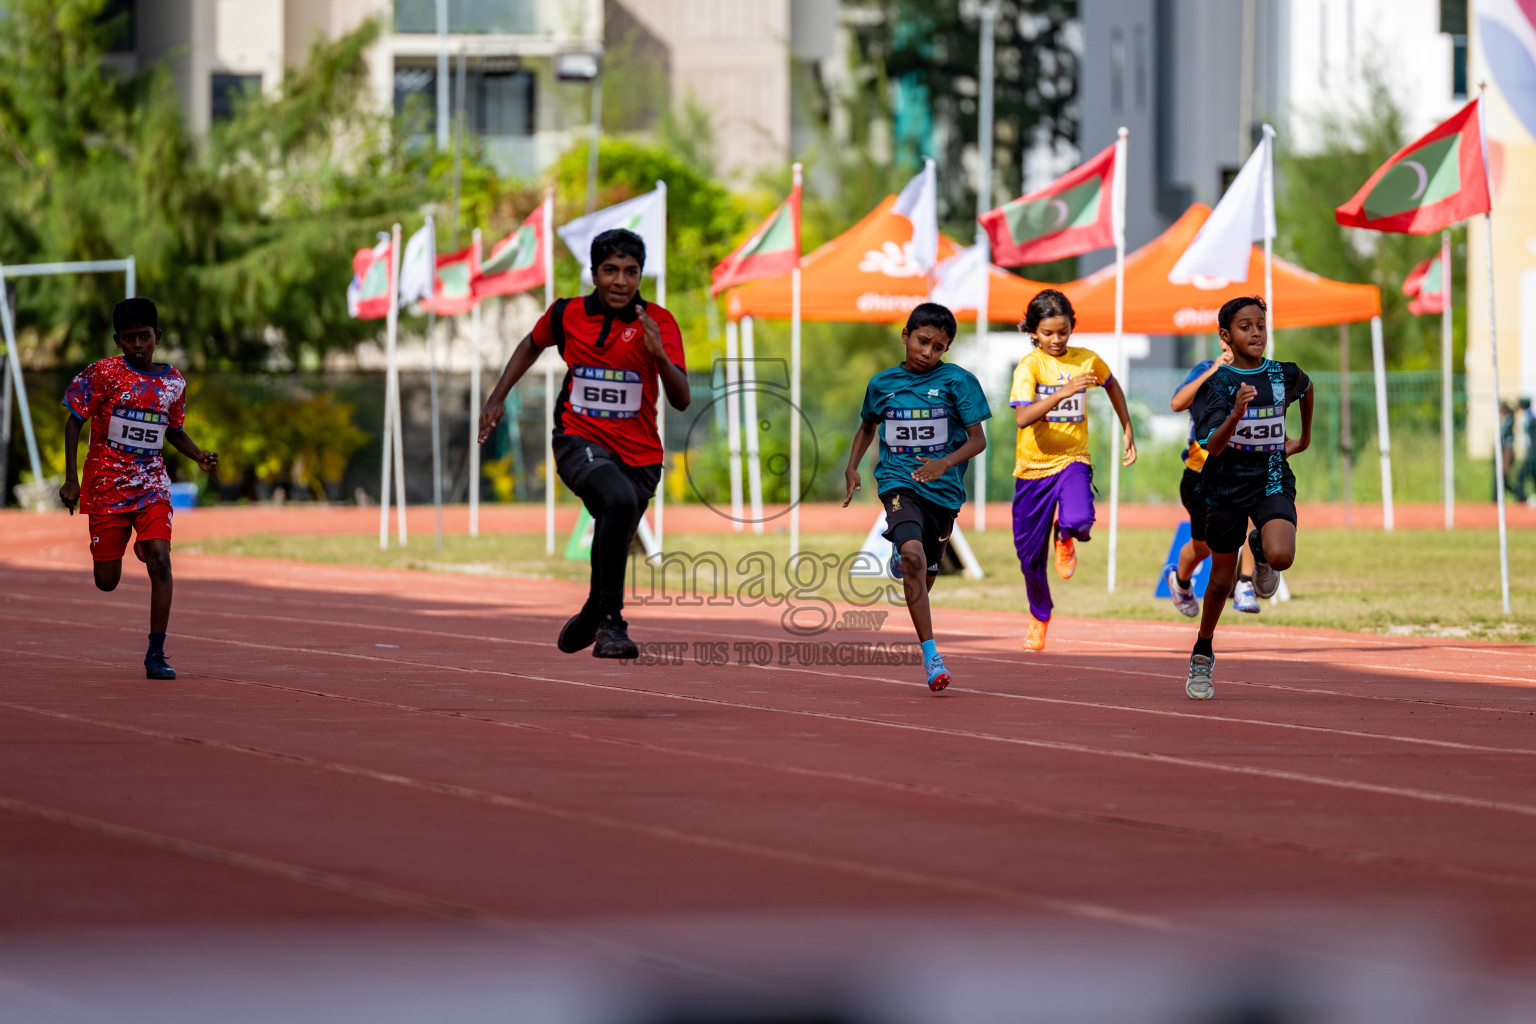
604	393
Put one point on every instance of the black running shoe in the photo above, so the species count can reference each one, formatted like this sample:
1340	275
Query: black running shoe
157	667
613	640
578	633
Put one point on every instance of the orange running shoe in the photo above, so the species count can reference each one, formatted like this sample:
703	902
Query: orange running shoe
1066	557
1034	640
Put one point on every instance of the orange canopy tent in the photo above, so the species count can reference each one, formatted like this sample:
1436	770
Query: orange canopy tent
866	274
1153	305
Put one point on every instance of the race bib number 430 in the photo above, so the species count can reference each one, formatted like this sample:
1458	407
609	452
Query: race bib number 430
1071	409
916	430
1262	429
605	394
137	431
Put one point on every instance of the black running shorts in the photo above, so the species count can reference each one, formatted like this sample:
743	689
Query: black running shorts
1226	529
1194	504
908	517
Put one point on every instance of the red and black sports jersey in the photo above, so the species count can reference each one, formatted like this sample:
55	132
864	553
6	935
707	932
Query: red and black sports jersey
610	391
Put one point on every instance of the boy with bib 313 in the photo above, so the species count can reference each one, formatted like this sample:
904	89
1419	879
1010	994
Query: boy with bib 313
927	415
1053	492
1239	416
134	406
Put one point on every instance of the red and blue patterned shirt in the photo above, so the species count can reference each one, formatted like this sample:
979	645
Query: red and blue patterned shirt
130	413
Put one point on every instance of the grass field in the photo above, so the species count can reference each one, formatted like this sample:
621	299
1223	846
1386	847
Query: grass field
1411	581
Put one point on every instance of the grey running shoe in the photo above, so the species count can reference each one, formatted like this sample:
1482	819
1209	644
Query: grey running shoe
1184	600
1243	599
1198	686
1265	580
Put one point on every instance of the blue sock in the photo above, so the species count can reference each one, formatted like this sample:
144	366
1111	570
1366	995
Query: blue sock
156	645
930	648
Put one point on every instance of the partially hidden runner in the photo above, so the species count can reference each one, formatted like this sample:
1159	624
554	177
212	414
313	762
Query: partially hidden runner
1240	422
134	406
1178	576
607	449
1053	492
927	415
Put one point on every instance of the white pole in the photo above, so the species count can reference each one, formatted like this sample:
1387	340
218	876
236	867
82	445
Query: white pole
392	379
549	377
661	397
1269	242
1498	441
1447	411
442	75
132	270
1383	439
13	360
1123	359
749	411
733	421
474	403
437	439
389	426
984	130
794	398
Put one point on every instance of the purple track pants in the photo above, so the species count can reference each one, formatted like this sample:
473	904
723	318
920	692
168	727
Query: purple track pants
1069	495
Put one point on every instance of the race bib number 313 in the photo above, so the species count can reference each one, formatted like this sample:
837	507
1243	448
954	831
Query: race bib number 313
1262	429
916	430
605	394
137	431
1071	409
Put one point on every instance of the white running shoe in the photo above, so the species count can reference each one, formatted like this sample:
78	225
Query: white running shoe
1265	580
1198	686
1243	598
1184	600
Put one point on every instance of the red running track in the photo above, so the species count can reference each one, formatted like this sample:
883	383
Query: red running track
365	746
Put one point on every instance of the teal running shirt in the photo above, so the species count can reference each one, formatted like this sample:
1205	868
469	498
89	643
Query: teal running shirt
922	416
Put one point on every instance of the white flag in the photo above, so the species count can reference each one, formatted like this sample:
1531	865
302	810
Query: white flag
418	265
919	203
644	215
959	282
1246	214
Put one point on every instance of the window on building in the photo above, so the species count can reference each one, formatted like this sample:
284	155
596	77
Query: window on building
1139	59
1459	67
416	96
498	98
118	17
470	17
228	90
1117	71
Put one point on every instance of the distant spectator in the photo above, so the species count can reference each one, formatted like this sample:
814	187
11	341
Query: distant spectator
1512	483
1527	472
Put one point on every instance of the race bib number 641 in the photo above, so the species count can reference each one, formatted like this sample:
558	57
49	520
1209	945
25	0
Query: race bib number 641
1072	409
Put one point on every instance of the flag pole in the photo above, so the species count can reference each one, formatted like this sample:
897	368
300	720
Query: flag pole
388	458
394	383
548	241
474	395
1124	367
794	396
984	131
749	413
1493	356
437	440
733	421
1447	412
1383	439
661	398
1269	241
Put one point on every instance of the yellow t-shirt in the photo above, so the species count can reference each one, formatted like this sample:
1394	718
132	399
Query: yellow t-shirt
1049	445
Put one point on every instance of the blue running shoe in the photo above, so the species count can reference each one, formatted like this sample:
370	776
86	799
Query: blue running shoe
938	675
895	564
1243	598
156	666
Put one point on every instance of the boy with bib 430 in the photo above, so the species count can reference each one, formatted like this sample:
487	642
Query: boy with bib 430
927	415
134	406
1053	492
1239	417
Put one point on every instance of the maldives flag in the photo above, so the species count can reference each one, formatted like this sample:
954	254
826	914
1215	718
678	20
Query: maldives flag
516	263
1429	184
1072	215
451	290
1425	285
368	294
774	248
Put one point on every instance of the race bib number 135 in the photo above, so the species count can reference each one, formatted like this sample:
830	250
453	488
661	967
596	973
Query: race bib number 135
1262	429
605	394
137	431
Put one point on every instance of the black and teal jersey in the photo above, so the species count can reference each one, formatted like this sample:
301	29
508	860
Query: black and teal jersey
922	416
1253	464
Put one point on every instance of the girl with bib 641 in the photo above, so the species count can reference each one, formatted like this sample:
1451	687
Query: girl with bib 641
1053	492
